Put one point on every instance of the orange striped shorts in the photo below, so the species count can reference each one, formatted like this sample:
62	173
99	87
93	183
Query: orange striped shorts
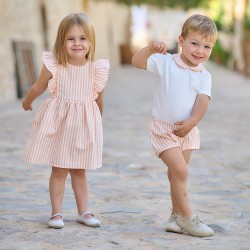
162	138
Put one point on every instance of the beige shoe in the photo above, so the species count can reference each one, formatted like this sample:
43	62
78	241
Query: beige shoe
194	226
172	225
90	222
56	223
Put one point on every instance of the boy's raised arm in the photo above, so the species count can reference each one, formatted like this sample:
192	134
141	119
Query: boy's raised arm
140	58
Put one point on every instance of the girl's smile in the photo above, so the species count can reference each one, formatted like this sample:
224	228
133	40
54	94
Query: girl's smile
77	46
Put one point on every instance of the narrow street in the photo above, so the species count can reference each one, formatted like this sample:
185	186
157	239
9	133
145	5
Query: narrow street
130	193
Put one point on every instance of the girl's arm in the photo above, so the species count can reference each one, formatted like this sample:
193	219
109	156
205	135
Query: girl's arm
99	102
140	58
199	110
37	88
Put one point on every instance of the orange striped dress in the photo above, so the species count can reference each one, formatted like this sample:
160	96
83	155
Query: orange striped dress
67	129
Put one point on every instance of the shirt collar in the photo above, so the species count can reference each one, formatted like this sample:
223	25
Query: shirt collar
179	62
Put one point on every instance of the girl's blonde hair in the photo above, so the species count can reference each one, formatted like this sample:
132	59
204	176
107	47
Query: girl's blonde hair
202	25
66	24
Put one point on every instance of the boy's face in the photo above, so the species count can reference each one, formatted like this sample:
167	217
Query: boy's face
195	49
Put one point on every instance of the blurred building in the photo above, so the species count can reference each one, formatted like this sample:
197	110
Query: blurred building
29	26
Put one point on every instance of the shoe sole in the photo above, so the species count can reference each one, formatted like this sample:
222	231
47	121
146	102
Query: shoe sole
196	234
55	227
88	225
173	231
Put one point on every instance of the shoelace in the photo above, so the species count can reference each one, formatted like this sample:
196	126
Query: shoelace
172	219
173	216
197	220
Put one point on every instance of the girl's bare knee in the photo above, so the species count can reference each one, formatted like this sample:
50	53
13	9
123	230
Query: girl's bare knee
77	172
60	173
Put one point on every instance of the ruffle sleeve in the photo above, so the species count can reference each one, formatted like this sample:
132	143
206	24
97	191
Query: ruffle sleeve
101	75
50	63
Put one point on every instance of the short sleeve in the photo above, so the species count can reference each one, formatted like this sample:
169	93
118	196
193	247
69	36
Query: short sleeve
156	63
101	74
51	64
206	86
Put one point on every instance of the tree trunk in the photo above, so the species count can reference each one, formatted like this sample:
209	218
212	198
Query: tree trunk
237	52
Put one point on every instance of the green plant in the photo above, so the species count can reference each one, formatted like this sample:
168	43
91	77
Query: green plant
220	55
185	4
247	18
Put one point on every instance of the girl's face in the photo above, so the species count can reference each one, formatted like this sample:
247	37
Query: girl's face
195	49
77	46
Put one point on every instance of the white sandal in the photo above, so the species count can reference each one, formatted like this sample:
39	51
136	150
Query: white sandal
56	223
90	222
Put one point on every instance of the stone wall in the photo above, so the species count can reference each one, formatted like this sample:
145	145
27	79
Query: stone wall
111	21
24	20
18	23
21	20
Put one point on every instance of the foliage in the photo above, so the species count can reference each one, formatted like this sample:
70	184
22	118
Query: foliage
185	4
220	55
247	19
220	15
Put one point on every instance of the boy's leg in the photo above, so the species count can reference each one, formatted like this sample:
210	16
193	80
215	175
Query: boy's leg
56	187
178	173
187	155
175	208
79	185
177	165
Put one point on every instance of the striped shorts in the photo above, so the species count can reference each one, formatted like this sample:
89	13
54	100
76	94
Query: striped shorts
162	138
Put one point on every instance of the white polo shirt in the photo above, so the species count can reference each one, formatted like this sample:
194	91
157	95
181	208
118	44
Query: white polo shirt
178	86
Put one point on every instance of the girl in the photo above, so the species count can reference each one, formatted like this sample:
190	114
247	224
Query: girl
181	100
67	130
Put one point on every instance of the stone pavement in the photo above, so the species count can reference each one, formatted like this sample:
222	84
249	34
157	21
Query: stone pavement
130	194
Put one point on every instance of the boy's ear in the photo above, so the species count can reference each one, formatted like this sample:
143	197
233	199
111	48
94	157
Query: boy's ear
181	40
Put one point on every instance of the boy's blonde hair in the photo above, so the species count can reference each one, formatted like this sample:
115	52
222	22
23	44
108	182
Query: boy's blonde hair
202	25
66	24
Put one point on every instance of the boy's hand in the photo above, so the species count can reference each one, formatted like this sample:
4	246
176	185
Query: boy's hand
184	127
158	47
140	58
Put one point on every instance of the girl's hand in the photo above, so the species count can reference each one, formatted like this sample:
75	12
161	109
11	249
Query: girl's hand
26	106
158	47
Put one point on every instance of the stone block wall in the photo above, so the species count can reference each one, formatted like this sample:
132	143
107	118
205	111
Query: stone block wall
24	20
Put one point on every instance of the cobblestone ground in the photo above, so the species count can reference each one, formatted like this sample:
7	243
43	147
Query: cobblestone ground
130	194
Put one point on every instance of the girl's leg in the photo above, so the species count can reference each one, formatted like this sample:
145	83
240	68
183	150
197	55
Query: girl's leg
175	208
79	185
56	187
178	176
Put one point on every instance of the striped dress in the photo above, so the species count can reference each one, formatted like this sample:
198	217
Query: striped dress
67	129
